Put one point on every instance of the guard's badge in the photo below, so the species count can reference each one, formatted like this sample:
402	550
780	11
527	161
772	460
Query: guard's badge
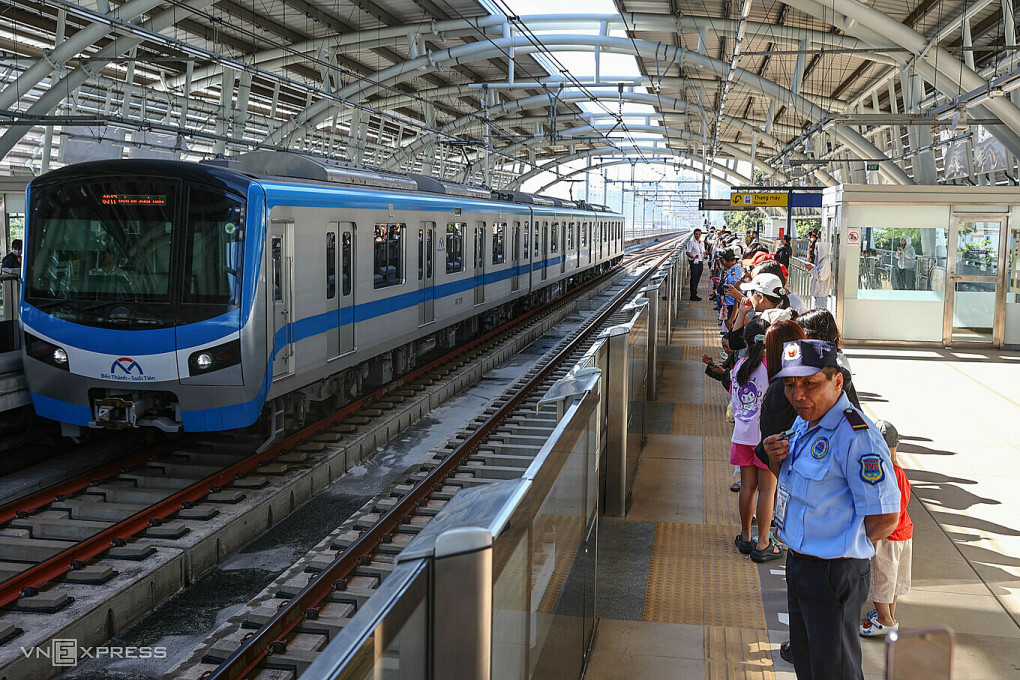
820	448
791	353
871	468
855	419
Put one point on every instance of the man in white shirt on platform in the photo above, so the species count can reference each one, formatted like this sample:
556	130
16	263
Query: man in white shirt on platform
696	258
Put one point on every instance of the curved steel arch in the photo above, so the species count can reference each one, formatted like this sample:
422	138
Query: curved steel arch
735	152
624	161
70	82
935	64
590	153
853	140
688	108
497	25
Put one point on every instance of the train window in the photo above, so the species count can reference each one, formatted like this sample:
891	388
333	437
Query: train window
554	241
584	234
516	236
536	239
570	236
277	269
212	256
346	262
527	240
388	263
498	238
455	247
330	265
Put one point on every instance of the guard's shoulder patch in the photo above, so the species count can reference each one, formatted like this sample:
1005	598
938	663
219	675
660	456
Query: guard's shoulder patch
855	419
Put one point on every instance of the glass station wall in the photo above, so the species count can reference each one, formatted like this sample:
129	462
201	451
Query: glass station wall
895	281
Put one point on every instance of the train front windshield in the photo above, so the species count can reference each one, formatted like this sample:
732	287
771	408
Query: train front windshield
144	253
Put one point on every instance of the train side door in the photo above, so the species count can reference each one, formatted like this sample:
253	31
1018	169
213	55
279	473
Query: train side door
479	262
426	273
567	243
545	251
281	297
515	255
347	250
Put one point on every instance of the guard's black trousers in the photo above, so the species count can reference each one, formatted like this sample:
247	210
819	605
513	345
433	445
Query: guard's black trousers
825	598
696	270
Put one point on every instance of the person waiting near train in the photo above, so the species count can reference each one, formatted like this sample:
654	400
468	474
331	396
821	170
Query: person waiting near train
757	482
774	267
784	251
732	272
764	291
837	495
906	261
11	263
696	259
819	324
821	275
890	567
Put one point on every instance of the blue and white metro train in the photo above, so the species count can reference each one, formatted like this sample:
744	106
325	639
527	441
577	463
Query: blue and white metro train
195	297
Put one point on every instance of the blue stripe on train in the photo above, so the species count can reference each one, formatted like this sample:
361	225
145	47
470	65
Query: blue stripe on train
236	416
158	341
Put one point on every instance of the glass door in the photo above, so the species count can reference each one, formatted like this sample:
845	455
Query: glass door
974	292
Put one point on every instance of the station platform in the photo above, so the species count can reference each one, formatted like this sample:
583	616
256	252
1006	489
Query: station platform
678	601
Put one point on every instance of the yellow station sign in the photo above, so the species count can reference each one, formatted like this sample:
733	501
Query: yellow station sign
759	200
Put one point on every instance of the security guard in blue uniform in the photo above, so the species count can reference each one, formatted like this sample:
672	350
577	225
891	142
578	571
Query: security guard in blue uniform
837	493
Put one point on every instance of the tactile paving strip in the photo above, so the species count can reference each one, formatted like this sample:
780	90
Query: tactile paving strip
704	419
737	653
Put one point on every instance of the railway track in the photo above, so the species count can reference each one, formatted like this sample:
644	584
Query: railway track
69	539
306	606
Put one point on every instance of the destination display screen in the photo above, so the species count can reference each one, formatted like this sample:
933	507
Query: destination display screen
134	199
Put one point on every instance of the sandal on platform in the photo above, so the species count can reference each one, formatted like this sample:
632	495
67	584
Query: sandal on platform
745	547
771	552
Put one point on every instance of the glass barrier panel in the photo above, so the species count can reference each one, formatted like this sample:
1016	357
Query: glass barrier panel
637	371
544	561
894	285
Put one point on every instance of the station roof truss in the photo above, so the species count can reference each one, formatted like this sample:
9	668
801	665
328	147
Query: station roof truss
803	91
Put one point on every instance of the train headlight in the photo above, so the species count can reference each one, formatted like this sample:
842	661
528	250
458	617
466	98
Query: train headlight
214	358
46	352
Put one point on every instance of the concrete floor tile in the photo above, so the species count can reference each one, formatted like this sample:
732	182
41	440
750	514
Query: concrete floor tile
651	638
687	446
964	613
608	666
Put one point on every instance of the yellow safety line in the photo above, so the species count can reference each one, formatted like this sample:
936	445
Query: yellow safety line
696	574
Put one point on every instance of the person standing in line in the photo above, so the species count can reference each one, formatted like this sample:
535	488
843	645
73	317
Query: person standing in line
784	251
12	260
906	260
733	272
757	482
821	275
696	259
837	496
890	567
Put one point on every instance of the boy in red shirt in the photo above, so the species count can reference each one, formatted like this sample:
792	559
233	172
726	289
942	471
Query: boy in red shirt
890	567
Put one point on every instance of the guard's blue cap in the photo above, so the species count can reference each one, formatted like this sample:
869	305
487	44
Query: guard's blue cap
806	357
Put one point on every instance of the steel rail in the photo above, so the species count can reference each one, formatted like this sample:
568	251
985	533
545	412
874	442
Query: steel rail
42	497
271	637
30	580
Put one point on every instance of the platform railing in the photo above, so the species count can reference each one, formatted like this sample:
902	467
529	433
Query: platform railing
501	583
